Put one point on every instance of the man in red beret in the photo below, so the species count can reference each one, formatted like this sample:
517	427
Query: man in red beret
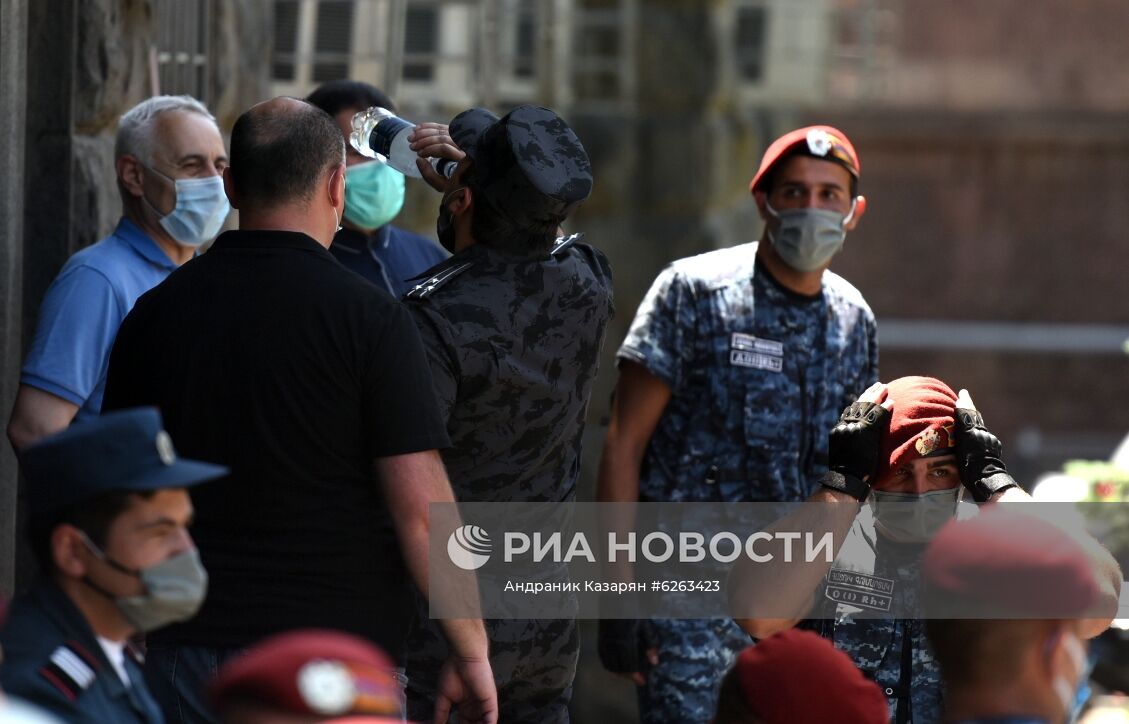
771	684
905	459
306	676
1031	588
736	365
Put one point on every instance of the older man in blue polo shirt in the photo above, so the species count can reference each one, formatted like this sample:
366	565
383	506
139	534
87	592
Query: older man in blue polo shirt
169	155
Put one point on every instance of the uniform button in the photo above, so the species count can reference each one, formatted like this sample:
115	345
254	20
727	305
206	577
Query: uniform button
711	475
889	691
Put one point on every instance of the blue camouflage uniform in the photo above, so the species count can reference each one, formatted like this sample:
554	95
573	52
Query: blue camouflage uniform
53	660
514	345
893	652
758	375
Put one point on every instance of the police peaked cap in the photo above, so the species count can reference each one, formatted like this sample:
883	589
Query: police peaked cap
528	164
123	450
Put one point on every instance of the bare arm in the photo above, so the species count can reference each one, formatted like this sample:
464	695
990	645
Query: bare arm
640	398
776	595
36	415
410	482
771	596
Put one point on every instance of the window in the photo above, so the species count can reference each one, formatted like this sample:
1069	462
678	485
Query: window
285	39
749	42
525	40
181	47
421	42
332	40
313	42
600	51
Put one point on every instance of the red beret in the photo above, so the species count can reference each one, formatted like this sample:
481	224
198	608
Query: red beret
922	423
1004	563
819	141
777	676
312	671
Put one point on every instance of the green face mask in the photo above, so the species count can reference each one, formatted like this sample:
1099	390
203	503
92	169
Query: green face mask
374	194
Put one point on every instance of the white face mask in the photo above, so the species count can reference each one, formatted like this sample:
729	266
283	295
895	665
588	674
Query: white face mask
807	238
1066	691
201	208
174	589
913	517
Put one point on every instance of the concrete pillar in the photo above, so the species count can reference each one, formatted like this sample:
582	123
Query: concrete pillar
13	80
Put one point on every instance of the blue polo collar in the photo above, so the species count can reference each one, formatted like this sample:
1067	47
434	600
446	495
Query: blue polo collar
140	242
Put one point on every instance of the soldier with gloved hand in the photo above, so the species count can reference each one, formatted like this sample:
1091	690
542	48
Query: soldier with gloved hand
902	459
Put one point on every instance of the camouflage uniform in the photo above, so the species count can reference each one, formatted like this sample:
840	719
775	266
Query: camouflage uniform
882	648
514	345
759	374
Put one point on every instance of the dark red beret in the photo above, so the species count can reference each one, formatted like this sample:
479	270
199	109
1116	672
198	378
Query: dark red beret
921	424
778	677
1004	563
312	671
823	142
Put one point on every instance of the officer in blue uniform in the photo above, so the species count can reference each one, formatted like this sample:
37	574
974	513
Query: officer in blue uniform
108	514
736	365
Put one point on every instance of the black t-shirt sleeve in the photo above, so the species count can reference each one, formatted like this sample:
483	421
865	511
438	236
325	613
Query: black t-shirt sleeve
399	396
120	373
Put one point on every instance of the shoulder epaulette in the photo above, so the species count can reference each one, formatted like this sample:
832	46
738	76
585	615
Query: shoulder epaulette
425	288
565	242
70	669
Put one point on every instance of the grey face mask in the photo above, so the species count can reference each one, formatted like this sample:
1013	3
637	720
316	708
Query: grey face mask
913	517
174	590
807	238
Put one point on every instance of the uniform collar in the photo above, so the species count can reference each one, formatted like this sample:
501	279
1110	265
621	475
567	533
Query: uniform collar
80	637
143	244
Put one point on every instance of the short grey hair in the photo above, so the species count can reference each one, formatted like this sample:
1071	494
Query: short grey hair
135	128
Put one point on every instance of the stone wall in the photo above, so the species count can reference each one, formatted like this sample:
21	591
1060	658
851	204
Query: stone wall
80	64
1015	220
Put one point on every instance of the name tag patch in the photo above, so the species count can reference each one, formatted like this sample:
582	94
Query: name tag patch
859	589
745	350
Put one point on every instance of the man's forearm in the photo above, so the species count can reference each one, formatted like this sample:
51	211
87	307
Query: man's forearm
412	482
781	590
36	415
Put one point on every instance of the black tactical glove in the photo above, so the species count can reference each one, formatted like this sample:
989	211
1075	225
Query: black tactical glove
854	446
618	640
979	457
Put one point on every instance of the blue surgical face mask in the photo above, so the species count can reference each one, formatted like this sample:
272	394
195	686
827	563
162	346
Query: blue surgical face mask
807	238
201	207
374	194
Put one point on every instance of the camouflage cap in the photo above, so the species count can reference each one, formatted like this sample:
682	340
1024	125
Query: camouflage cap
529	164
